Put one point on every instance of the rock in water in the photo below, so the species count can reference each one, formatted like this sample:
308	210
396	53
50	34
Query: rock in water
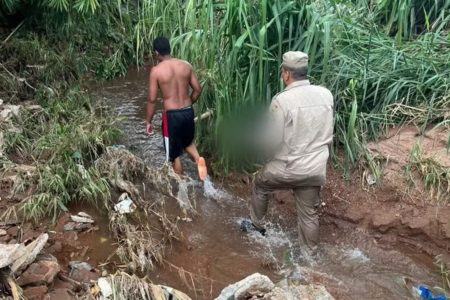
254	284
8	253
29	254
80	219
80	265
35	292
38	273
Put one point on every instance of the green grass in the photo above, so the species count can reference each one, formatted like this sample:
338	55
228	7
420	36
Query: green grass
435	177
62	142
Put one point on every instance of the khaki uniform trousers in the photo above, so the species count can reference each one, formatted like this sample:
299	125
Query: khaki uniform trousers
307	199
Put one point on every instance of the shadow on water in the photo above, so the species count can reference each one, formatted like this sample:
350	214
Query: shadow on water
213	253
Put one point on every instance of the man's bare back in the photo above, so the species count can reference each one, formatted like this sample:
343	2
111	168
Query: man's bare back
174	77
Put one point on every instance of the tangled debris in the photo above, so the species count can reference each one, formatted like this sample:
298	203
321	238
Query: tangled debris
124	286
121	167
141	226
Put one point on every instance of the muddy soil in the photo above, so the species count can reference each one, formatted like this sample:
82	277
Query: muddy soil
390	214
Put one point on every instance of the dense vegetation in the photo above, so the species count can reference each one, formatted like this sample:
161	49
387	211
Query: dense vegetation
375	56
381	59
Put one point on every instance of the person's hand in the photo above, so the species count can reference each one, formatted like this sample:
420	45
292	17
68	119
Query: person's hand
150	129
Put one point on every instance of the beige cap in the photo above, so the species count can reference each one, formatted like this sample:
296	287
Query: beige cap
295	60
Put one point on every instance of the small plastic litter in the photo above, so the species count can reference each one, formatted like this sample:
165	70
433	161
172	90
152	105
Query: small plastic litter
105	287
77	157
426	294
371	179
10	111
125	205
82	171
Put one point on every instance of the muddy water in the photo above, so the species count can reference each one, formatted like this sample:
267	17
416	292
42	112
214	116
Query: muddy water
214	253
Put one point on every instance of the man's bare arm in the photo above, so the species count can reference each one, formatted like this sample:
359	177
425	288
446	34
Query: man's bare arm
152	94
196	88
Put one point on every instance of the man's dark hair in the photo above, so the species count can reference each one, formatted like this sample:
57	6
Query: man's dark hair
299	73
162	45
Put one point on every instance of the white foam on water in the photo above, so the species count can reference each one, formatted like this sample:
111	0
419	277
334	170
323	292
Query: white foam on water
275	237
182	196
211	191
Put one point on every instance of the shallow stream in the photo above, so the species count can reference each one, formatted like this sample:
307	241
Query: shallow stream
213	249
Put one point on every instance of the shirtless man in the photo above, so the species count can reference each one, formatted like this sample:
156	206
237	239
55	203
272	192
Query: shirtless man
174	77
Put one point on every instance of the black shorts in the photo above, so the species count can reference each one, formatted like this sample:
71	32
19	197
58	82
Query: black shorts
178	131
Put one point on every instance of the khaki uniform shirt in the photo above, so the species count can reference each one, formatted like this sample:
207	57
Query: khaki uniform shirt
301	130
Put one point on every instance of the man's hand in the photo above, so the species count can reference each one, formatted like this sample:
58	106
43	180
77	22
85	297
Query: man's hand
150	131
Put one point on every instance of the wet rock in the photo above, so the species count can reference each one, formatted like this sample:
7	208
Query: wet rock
5	239
255	284
35	292
47	257
70	226
41	272
8	253
297	277
29	253
312	292
84	276
82	272
277	294
56	247
61	294
303	292
85	215
83	218
30	234
13	231
80	265
73	226
70	238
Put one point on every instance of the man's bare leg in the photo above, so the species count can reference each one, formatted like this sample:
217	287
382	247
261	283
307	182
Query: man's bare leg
201	164
193	152
177	166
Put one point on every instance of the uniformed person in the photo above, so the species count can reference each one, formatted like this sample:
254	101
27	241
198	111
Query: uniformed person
301	132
